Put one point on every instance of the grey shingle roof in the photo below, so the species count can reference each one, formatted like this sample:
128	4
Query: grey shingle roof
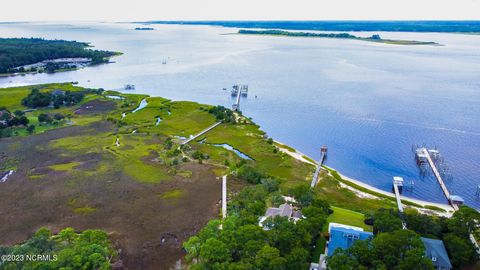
435	249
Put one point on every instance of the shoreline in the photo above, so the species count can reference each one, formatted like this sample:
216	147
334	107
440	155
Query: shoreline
301	157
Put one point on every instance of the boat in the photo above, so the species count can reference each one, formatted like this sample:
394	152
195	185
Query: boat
129	87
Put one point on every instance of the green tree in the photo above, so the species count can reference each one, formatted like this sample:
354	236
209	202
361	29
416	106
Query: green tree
214	251
265	256
31	129
464	221
460	250
386	220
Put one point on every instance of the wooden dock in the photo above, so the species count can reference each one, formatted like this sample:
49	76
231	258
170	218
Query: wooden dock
200	133
319	167
239	90
397	195
224	196
439	178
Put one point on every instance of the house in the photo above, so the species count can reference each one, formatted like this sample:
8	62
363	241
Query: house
340	236
435	250
343	236
58	92
284	210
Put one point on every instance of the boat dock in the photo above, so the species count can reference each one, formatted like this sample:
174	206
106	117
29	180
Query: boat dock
200	133
424	154
323	151
238	91
397	186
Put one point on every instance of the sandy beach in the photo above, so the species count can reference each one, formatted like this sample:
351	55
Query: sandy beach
301	157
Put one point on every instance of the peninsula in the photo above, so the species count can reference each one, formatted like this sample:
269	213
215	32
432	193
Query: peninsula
373	38
31	55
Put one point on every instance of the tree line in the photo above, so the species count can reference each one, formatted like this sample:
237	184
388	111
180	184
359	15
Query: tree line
16	52
90	249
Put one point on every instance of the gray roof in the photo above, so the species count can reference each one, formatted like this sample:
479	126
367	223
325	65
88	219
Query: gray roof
272	212
435	249
284	210
297	214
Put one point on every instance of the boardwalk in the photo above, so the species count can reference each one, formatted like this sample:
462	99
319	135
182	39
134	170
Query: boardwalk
439	178
319	167
397	195
446	192
239	90
224	196
397	184
201	133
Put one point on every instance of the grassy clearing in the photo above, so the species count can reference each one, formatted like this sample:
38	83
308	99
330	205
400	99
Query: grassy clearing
380	195
10	97
348	217
186	118
329	188
173	194
65	166
84	210
248	138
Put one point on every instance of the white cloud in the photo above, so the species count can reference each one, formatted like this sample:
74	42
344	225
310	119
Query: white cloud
121	10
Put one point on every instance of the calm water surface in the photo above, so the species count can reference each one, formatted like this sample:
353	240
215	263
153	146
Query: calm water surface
367	102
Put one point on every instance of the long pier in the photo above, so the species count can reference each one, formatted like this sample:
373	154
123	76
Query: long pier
239	91
426	154
319	166
397	185
200	133
397	181
438	177
224	196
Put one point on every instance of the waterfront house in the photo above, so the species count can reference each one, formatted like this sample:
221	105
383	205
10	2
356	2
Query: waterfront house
435	250
343	236
340	236
284	210
58	92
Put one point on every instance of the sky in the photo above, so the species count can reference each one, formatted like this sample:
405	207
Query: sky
143	10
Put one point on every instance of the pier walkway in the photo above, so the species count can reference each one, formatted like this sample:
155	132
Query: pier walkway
224	197
397	184
397	195
446	192
439	178
239	90
319	167
200	133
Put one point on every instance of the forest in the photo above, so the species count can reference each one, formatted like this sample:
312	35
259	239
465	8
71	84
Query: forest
17	52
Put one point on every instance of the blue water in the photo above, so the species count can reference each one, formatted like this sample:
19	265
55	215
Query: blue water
367	102
236	151
142	105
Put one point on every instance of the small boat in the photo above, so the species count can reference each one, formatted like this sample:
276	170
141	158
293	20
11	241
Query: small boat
129	87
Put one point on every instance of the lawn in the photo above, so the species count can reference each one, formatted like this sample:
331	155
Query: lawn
348	217
329	189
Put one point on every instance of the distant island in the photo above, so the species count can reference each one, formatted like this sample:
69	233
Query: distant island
373	38
144	28
31	55
346	26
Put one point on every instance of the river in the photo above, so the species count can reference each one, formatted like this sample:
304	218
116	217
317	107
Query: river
368	102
